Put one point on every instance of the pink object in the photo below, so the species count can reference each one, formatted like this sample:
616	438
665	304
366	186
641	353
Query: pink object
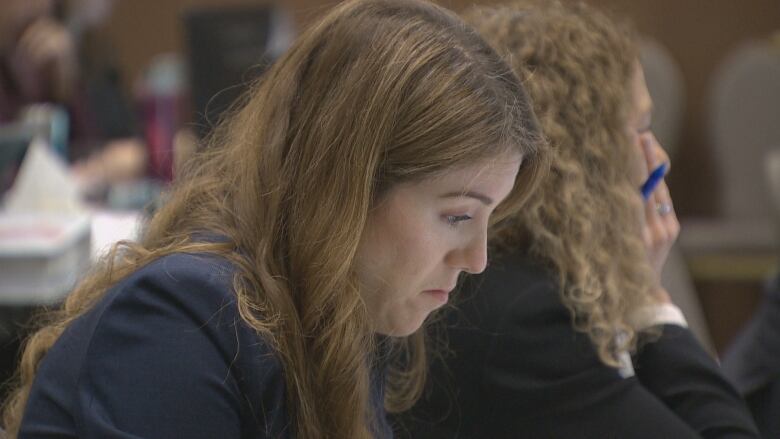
162	99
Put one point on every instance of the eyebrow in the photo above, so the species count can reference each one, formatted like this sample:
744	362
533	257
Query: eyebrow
487	201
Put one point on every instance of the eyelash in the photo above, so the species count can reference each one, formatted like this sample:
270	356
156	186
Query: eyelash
453	220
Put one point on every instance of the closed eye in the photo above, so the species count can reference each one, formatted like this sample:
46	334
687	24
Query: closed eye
453	220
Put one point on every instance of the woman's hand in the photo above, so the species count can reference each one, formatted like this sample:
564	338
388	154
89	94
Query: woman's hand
661	227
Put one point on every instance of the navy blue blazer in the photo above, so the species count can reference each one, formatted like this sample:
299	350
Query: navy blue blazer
164	354
517	369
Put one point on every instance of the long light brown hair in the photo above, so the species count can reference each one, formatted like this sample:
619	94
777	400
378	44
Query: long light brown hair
377	93
584	222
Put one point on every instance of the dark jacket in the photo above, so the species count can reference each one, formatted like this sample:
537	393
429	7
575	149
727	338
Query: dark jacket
753	362
517	369
163	355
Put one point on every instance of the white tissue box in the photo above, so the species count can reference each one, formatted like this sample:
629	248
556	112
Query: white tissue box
41	256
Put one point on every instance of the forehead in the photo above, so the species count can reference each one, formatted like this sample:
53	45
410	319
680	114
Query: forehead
487	181
484	170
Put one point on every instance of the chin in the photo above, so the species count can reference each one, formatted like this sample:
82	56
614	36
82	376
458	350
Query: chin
402	329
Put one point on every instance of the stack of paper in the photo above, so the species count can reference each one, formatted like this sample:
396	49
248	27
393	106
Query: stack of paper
41	256
44	232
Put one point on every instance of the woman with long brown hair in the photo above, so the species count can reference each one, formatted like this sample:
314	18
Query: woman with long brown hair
330	214
569	333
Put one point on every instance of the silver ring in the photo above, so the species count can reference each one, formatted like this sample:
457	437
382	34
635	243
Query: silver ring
663	208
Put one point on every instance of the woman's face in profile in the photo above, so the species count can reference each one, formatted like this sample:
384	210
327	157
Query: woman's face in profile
422	235
640	129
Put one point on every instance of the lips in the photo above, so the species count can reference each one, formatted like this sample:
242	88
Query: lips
447	290
440	295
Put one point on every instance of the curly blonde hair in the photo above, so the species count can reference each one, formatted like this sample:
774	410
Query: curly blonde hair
379	92
585	220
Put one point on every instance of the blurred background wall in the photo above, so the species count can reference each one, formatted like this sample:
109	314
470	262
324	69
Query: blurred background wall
698	34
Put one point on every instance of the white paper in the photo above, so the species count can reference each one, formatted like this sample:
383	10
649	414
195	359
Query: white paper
43	184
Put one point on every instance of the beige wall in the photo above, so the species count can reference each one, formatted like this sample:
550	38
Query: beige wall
698	32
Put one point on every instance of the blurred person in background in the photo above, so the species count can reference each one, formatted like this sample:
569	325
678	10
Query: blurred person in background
752	362
47	67
38	76
569	332
49	55
113	151
37	57
302	250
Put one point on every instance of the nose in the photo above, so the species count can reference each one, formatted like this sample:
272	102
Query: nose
659	153
472	257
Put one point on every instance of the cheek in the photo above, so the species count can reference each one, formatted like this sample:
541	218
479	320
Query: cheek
394	252
407	251
415	247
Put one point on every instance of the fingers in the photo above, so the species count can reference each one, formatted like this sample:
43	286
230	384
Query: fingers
664	212
655	223
648	151
659	210
654	154
663	197
660	152
661	227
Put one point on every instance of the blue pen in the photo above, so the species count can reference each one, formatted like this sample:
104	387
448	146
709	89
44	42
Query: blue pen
653	180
